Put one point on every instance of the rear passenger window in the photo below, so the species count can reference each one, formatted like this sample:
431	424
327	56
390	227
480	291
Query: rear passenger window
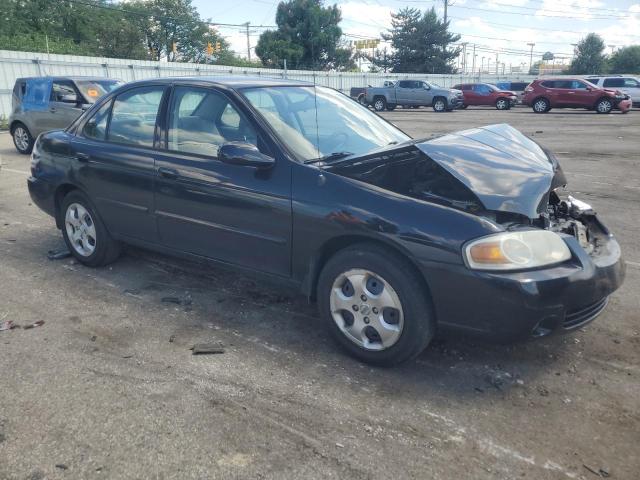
134	115
96	126
613	82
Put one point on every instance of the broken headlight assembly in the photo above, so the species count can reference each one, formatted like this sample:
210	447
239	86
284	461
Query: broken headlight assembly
516	250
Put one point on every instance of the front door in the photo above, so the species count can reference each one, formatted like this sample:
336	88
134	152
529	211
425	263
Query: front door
64	104
114	161
232	213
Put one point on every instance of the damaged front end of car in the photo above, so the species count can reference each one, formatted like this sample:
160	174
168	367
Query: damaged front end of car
550	248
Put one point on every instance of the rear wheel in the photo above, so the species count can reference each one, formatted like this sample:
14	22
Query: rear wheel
372	303
541	105
604	105
502	104
84	233
362	100
22	139
379	104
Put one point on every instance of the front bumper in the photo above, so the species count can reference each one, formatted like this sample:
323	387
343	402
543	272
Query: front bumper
521	305
455	102
624	105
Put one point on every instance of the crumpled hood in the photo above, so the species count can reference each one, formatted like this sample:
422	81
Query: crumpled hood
506	170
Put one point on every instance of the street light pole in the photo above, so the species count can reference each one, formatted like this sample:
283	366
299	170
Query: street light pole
531	55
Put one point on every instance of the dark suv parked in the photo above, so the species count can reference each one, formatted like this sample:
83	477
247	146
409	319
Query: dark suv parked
544	94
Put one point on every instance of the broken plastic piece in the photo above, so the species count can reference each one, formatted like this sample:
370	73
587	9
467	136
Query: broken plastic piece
39	323
7	325
207	348
53	255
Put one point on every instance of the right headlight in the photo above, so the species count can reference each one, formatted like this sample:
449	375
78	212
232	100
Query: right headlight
516	250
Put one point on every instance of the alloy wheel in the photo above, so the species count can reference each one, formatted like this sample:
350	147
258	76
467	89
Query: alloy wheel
604	106
540	106
366	309
81	229
439	106
501	104
21	138
379	105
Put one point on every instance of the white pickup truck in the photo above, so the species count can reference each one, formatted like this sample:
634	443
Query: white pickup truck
413	93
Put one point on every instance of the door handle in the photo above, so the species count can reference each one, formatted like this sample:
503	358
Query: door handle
168	172
82	157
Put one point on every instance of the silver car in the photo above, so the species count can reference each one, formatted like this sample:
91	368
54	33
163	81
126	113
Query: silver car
626	84
49	103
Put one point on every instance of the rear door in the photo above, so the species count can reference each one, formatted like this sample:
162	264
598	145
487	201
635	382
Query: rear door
35	104
232	213
114	161
403	91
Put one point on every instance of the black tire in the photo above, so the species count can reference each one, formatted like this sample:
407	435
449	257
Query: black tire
362	99
439	104
418	317
106	249
379	104
23	144
391	107
541	105
502	104
604	105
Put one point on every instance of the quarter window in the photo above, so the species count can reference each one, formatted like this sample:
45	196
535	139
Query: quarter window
96	126
201	120
134	116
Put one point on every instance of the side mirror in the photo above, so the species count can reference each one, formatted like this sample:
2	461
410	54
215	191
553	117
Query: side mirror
244	154
427	87
69	98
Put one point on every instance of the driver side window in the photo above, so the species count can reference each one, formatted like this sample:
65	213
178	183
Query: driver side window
201	120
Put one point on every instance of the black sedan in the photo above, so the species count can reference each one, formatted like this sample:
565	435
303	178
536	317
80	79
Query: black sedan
394	237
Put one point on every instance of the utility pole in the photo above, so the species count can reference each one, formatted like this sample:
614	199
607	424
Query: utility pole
473	60
446	4
612	47
464	57
531	55
248	42
497	63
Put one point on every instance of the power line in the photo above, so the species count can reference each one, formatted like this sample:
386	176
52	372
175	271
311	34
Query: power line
522	14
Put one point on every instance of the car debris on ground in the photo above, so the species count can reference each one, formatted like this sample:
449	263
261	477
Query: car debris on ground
58	255
207	348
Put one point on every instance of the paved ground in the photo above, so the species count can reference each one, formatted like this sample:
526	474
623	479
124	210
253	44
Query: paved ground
101	390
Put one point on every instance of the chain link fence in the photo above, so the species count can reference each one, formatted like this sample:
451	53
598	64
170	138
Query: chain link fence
15	65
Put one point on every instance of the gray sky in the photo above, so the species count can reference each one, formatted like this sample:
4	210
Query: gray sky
504	27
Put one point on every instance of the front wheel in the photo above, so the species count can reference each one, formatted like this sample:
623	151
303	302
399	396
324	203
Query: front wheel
84	233
604	105
373	304
439	105
22	139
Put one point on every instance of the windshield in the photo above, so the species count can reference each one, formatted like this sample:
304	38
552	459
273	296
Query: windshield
92	90
316	122
492	87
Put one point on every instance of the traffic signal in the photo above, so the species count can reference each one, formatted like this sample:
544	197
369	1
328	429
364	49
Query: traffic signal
209	48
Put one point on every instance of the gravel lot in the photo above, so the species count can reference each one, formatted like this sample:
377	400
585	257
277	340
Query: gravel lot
108	388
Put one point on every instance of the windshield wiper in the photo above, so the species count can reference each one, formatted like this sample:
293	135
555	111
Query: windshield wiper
330	157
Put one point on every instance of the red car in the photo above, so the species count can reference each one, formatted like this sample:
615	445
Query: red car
487	94
544	94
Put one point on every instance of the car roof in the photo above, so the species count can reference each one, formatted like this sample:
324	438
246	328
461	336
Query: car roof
71	77
235	81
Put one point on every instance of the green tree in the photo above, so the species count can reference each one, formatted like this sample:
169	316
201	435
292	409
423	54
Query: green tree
420	42
589	59
625	60
308	37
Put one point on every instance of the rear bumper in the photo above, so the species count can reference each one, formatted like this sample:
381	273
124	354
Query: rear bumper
42	194
521	305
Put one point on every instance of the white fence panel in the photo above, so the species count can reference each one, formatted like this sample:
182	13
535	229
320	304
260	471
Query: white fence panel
14	65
